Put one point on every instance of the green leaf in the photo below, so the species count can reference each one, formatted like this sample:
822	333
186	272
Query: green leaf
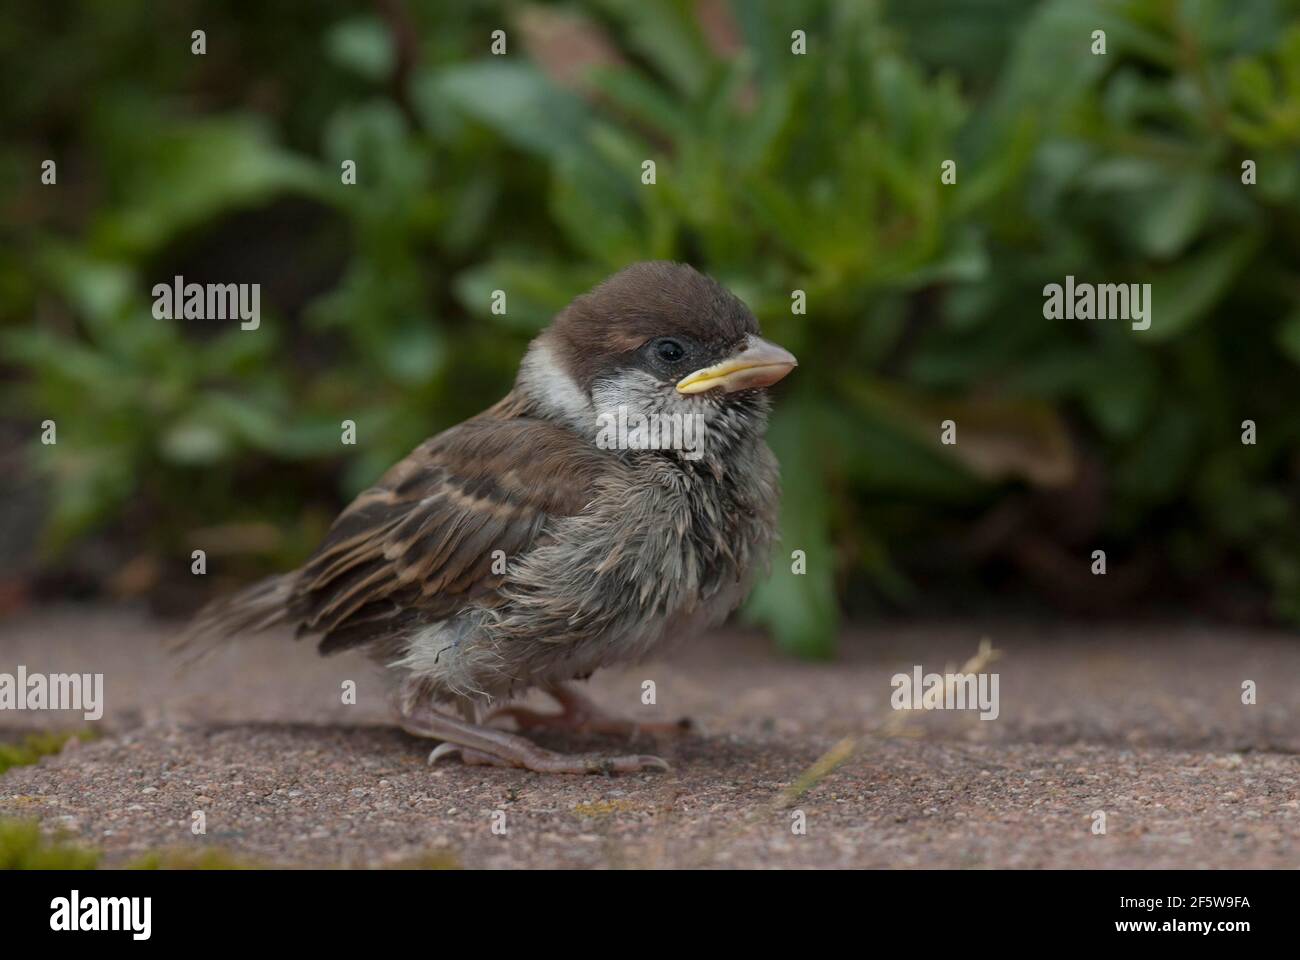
194	442
535	291
1174	213
1185	292
669	36
176	176
362	45
800	608
515	100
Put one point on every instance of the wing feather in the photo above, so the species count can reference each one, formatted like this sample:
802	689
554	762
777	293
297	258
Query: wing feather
420	543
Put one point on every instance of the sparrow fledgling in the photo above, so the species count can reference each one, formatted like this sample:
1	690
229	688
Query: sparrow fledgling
546	536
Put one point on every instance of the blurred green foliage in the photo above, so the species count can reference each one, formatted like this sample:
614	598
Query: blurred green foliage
775	173
32	747
22	847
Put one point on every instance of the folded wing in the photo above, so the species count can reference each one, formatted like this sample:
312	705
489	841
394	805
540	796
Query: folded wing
424	541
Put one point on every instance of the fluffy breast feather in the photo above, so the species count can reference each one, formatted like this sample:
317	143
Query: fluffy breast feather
662	552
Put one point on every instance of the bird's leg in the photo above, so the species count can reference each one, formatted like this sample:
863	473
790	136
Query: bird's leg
580	713
484	745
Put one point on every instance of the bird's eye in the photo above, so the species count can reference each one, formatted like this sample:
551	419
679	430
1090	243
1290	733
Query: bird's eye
669	351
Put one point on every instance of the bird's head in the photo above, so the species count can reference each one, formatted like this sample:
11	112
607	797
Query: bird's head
657	338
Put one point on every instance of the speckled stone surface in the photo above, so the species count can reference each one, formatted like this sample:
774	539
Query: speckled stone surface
1143	722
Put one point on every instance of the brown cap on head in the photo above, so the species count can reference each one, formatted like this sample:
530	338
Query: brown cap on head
656	298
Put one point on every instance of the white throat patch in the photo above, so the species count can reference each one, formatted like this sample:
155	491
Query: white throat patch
549	386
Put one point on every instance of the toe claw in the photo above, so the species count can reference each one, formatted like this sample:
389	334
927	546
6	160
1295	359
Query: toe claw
629	764
442	750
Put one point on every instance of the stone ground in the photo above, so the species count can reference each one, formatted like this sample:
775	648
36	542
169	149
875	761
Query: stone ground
1144	722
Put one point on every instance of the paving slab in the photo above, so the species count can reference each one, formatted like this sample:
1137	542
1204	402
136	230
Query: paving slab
1142	722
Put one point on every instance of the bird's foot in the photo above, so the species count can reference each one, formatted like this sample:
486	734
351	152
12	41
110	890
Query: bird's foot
579	713
548	761
478	745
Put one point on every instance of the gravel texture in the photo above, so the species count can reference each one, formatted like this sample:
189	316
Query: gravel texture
1143	722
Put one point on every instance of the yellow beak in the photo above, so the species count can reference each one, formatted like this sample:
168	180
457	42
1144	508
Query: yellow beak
758	364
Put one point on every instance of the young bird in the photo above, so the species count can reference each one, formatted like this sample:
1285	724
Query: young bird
524	549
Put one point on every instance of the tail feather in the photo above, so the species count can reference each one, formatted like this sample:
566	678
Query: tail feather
253	609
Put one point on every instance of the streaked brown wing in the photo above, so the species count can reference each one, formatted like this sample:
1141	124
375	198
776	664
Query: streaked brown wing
421	542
